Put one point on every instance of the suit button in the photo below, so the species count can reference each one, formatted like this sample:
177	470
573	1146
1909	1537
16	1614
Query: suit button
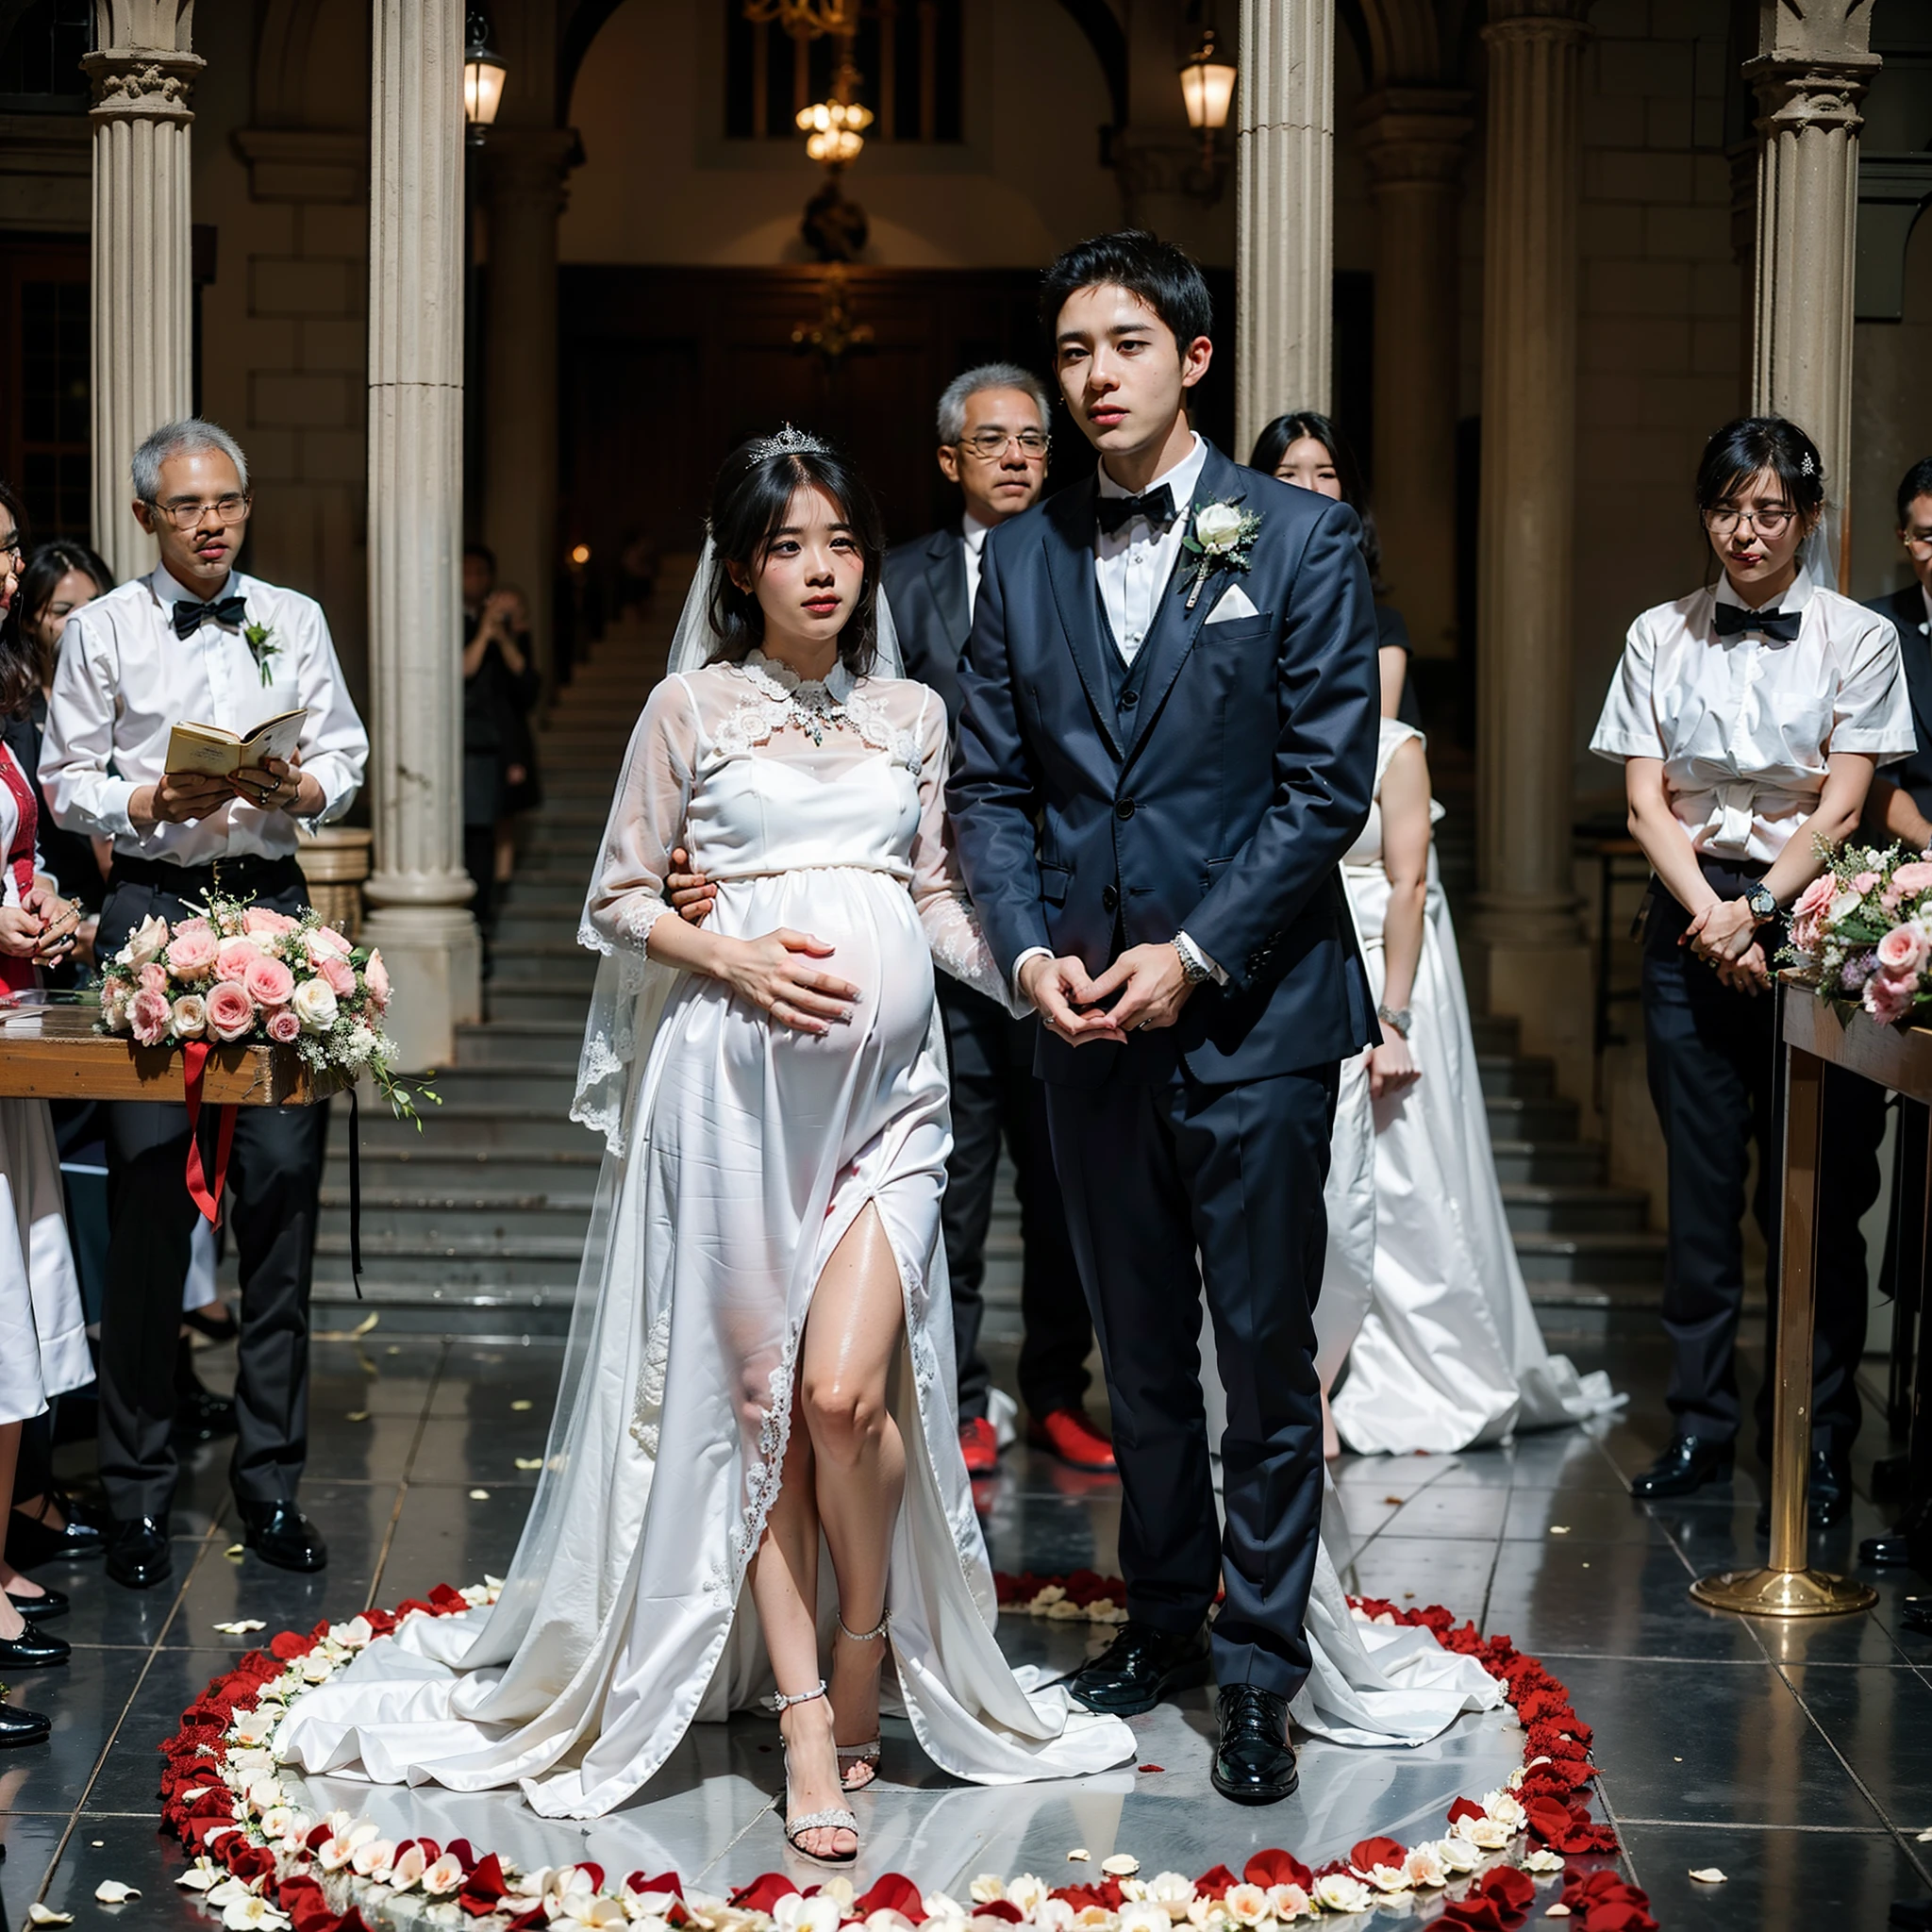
1129	699
1110	898
1125	809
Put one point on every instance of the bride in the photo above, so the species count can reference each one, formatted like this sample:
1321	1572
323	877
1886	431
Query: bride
761	1352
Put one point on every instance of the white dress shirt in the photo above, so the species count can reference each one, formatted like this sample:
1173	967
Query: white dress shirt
125	680
974	533
1134	564
1745	726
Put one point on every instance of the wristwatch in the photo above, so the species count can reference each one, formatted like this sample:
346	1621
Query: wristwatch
1194	969
1763	902
1398	1017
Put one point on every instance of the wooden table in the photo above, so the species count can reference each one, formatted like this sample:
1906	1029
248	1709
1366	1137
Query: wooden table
1811	1036
54	1053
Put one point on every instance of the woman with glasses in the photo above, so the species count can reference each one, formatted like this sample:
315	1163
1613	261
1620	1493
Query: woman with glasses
1749	716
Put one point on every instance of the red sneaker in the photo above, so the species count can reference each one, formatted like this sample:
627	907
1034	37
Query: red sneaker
1068	1434
979	1445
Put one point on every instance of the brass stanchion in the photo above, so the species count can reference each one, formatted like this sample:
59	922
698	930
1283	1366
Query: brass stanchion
1789	1588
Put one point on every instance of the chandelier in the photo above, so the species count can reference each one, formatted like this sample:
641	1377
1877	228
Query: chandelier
834	130
806	20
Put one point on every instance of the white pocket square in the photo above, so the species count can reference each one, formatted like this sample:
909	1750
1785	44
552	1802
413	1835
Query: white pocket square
1234	602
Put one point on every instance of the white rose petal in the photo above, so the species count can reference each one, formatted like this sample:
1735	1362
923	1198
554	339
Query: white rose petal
938	1905
1338	1892
1247	1904
1217	525
1028	1893
314	1004
1079	1854
1709	1874
242	1626
38	1914
1122	1865
203	1875
1289	1903
253	1911
1142	1916
1543	1859
110	1891
984	1890
1558	1910
1457	1853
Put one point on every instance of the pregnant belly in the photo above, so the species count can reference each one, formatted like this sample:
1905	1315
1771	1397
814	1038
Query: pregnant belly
877	945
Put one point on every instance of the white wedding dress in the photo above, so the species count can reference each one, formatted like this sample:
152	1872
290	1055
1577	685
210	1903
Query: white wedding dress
740	1152
1423	1295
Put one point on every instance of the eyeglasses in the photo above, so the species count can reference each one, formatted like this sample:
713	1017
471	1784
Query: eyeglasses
184	516
1923	544
989	446
13	547
1766	523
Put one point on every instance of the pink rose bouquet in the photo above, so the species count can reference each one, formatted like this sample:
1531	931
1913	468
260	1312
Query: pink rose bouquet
1861	931
245	974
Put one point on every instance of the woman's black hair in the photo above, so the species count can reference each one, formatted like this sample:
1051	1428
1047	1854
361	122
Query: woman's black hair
44	569
749	502
19	670
1739	450
1164	276
1280	435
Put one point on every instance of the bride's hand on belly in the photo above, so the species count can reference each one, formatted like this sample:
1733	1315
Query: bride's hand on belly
772	974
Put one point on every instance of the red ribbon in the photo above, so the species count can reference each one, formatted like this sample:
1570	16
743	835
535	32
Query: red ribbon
194	1064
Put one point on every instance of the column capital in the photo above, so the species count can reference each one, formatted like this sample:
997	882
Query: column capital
1515	21
1796	91
1415	134
142	83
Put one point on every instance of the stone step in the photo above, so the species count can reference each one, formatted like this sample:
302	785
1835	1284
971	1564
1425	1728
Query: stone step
1591	1257
1495	1032
544	1046
435	1221
1513	1118
541	1089
565	1172
461	1127
559	966
1580	1163
1540	1207
554	894
535	1002
409	1307
1525	1075
530	1262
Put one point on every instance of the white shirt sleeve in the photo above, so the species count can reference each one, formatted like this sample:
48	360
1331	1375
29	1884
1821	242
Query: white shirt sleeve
78	745
1627	727
1872	712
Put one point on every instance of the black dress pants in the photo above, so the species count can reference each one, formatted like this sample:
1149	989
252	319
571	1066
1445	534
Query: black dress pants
996	1096
270	1206
1713	1064
1154	1175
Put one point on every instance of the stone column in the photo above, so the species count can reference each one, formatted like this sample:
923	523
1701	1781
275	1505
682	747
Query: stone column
142	336
1283	211
1813	66
1530	957
524	171
1413	139
419	890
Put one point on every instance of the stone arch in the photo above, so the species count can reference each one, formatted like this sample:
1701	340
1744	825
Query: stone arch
1406	42
309	72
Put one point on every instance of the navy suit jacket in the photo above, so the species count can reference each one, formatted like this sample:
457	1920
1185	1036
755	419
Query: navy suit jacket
925	585
1907	610
1222	803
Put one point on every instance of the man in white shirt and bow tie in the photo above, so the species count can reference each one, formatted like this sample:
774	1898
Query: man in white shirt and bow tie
195	641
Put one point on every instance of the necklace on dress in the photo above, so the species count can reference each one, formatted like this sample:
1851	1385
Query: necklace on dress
813	705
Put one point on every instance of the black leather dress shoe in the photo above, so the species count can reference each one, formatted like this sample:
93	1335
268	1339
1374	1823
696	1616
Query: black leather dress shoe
1685	1467
33	1650
1141	1666
1253	1762
1828	1496
31	1540
138	1552
19	1726
36	1609
1893	1549
279	1533
202	1416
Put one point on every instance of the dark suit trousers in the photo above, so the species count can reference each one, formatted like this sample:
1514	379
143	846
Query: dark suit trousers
270	1206
1712	1061
1155	1174
996	1096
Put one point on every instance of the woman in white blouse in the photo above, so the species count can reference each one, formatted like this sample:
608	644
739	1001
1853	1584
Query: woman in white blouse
1749	718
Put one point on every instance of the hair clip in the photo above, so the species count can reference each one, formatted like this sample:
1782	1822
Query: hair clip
1805	468
788	442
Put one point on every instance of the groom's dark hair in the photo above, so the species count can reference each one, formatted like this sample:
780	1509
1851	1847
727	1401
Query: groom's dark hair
1164	276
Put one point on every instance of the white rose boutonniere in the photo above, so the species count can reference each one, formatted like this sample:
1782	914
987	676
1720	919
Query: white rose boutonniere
1219	535
264	649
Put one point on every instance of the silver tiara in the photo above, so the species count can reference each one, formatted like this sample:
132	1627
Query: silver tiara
788	442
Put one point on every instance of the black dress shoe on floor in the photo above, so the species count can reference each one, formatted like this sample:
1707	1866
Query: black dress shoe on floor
1253	1762
279	1533
36	1609
31	1540
33	1650
19	1726
1685	1467
1893	1549
138	1552
1828	1496
1139	1668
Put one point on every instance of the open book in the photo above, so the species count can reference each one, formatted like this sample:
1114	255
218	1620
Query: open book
220	753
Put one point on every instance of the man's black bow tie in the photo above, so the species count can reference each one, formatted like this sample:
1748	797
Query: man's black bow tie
1117	512
1733	621
188	617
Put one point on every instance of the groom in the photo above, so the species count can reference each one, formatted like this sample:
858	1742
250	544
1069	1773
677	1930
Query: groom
1167	745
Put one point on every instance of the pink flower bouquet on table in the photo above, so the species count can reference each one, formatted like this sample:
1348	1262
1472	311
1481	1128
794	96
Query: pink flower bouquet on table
1861	931
241	974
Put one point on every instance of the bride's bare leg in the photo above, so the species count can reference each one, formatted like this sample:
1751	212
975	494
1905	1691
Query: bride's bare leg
785	1587
851	1340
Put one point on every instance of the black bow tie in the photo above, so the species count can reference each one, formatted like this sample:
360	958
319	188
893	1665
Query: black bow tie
1117	512
1733	621
190	617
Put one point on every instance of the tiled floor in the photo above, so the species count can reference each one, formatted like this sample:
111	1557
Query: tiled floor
1798	1760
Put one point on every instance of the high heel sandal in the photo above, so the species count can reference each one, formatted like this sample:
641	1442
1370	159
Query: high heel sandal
855	1758
837	1819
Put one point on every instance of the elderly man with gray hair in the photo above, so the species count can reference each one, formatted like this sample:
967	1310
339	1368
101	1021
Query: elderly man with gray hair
993	442
195	641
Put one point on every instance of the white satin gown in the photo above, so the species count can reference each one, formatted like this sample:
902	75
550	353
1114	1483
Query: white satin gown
1422	1297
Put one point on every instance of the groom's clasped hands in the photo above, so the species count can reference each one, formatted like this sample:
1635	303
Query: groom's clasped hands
1150	981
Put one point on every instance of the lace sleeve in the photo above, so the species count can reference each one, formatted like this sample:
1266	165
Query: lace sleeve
647	819
952	926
